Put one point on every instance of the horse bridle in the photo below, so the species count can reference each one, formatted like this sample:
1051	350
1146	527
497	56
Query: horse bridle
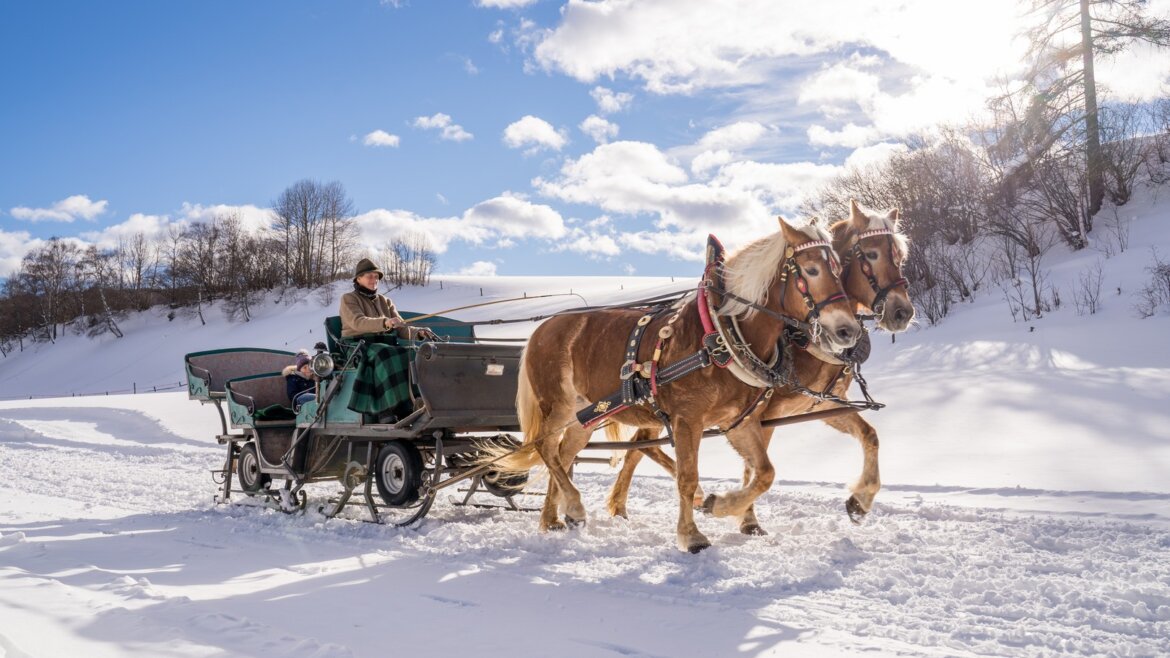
856	253
792	268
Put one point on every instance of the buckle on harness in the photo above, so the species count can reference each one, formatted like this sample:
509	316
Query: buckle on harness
628	369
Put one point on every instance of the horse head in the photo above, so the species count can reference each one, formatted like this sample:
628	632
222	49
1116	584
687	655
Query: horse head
811	287
872	250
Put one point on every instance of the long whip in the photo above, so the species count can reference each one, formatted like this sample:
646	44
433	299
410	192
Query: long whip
419	318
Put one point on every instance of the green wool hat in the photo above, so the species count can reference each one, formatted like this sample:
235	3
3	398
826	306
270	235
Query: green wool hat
366	265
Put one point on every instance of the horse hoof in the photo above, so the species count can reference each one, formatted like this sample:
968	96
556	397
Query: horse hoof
854	510
709	504
554	526
697	547
752	529
573	523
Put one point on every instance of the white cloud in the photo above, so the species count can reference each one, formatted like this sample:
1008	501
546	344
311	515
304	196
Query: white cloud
636	178
782	187
500	218
598	128
876	154
533	133
935	62
68	209
704	162
851	135
723	145
592	244
609	101
252	218
478	268
1139	74
515	217
447	130
689	245
380	138
840	83
734	137
683	45
13	247
382	226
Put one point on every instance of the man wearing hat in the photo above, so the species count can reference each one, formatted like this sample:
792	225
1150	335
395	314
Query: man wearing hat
365	311
381	390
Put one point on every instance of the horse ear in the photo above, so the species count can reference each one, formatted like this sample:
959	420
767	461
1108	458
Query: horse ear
860	221
895	217
785	228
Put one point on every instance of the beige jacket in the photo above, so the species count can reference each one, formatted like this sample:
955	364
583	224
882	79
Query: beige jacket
360	315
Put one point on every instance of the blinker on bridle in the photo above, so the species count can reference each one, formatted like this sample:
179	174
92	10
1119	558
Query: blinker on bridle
791	267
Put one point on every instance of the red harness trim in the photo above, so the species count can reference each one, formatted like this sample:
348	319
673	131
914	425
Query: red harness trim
704	314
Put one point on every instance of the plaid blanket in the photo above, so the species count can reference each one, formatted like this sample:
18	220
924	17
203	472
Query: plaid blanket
383	381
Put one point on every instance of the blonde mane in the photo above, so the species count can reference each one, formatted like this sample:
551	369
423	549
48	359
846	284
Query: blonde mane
751	271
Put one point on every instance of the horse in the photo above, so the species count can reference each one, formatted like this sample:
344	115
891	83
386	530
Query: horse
575	359
872	250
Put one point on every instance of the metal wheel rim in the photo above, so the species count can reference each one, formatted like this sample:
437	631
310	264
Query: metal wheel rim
393	473
250	467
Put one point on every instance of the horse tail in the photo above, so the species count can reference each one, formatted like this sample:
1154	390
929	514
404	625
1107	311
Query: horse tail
613	432
505	459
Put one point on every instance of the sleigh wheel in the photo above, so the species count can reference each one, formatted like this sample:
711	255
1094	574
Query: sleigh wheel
398	473
248	470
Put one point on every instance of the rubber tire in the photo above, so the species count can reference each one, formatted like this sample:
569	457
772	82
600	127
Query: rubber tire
248	470
398	473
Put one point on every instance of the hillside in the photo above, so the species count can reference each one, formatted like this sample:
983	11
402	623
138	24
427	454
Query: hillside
1024	509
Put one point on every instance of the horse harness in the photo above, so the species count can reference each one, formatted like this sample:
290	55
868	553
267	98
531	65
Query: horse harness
722	345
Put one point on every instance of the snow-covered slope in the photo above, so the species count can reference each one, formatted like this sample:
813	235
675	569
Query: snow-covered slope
1025	508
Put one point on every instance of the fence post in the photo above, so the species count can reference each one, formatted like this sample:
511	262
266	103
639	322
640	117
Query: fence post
481	292
135	388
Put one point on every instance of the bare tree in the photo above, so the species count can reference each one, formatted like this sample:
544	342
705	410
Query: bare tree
314	222
1065	40
1123	150
1087	296
96	271
409	260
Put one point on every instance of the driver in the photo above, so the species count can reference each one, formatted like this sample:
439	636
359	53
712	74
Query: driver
366	311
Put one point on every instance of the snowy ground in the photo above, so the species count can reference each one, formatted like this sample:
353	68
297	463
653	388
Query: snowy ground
1025	511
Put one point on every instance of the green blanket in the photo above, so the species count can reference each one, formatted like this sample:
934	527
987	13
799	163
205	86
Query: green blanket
383	381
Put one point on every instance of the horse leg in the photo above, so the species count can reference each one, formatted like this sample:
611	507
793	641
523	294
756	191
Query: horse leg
659	456
686	447
572	442
748	523
616	502
560	488
866	487
550	516
747	439
620	491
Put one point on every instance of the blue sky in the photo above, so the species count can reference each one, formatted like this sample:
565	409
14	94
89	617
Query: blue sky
524	137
